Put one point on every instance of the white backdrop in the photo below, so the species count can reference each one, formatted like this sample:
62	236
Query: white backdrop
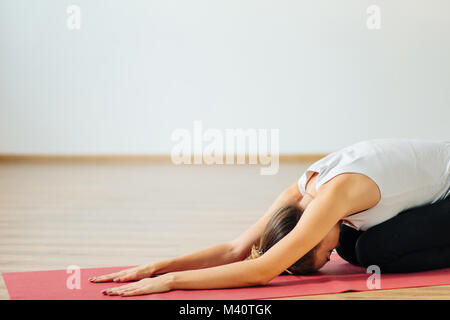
137	70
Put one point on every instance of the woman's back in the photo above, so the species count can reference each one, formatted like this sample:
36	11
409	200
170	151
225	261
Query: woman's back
409	173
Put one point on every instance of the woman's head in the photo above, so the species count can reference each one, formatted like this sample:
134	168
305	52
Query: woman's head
280	224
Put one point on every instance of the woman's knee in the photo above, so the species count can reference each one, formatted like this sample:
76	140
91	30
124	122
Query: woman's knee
414	230
370	249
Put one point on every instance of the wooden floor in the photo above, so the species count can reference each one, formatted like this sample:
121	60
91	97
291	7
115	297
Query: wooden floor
53	215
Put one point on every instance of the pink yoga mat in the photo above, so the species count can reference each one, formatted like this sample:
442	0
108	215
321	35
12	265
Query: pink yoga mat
337	276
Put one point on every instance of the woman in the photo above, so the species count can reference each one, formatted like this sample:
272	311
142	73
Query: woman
349	200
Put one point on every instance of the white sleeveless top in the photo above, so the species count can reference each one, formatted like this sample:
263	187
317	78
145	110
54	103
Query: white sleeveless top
409	173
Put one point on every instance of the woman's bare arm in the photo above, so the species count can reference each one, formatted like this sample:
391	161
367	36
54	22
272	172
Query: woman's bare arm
216	255
221	254
233	275
331	204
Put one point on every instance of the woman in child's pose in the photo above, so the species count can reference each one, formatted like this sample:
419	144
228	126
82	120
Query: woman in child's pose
381	202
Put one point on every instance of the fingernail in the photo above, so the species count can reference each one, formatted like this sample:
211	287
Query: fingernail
116	280
92	279
104	291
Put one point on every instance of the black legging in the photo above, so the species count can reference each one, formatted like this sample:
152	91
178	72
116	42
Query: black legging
417	239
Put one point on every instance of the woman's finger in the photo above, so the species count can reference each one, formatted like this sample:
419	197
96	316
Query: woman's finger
135	292
122	276
133	274
114	291
105	278
129	276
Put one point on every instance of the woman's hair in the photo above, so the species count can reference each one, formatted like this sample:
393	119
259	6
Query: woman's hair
279	225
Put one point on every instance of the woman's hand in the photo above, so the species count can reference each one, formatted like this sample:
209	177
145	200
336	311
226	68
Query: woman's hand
136	273
145	286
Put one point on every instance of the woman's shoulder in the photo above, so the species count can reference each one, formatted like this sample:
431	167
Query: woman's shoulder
357	190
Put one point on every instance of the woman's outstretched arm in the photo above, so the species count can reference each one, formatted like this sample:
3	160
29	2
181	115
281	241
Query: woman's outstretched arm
221	254
332	203
320	218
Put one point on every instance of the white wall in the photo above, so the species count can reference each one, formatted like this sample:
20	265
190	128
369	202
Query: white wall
137	70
